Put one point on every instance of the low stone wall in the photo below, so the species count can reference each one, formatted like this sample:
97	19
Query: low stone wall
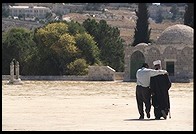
101	73
95	73
119	75
69	77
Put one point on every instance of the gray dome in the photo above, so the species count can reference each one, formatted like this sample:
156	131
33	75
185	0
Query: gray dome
176	34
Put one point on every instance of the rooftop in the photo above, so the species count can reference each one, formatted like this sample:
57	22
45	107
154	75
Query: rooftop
176	34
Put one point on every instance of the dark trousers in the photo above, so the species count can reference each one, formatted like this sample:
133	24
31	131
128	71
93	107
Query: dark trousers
157	112
143	96
158	104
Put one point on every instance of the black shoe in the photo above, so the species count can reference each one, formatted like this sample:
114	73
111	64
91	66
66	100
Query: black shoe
164	114
141	117
148	115
157	118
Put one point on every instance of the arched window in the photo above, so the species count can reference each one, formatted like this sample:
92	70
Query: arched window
137	59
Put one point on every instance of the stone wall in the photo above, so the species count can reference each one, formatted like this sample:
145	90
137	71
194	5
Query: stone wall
180	54
105	73
119	75
69	77
96	73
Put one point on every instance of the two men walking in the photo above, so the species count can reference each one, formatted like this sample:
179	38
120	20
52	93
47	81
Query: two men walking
147	78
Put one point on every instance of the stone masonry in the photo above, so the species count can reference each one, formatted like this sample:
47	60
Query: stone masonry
101	73
175	46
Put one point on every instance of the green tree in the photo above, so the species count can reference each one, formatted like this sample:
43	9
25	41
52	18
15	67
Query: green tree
142	32
5	10
175	11
78	67
189	15
57	48
75	28
62	43
108	41
17	43
91	26
159	18
89	50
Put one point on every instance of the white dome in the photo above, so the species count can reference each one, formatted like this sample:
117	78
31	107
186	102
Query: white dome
176	34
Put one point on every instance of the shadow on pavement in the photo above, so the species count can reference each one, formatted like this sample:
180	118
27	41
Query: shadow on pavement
142	119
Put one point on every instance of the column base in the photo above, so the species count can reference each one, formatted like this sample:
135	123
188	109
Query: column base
15	82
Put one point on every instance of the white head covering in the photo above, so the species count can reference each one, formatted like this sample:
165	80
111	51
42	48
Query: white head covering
157	62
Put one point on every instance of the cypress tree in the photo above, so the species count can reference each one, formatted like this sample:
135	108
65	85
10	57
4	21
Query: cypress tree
142	32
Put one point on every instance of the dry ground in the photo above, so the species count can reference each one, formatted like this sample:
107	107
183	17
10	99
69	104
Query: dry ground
90	106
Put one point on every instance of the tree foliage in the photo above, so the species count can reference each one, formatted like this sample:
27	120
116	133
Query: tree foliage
75	28
78	67
17	44
189	15
61	44
63	48
175	11
5	10
142	32
57	48
108	41
88	47
159	18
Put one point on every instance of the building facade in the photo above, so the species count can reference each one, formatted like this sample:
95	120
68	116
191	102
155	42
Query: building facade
174	48
29	11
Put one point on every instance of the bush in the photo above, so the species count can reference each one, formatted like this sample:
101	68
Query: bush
78	67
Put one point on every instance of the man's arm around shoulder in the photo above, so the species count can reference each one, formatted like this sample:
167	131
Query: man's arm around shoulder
154	72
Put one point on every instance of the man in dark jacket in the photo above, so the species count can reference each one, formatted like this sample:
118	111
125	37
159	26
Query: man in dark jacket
159	86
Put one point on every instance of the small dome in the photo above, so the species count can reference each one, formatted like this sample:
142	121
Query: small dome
176	34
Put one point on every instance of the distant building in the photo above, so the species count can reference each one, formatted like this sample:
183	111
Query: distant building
35	4
75	7
60	8
63	8
29	11
119	4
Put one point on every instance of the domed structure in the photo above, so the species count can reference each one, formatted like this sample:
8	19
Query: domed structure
174	48
176	34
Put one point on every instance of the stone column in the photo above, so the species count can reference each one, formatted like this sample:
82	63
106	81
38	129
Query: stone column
11	72
17	70
14	69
